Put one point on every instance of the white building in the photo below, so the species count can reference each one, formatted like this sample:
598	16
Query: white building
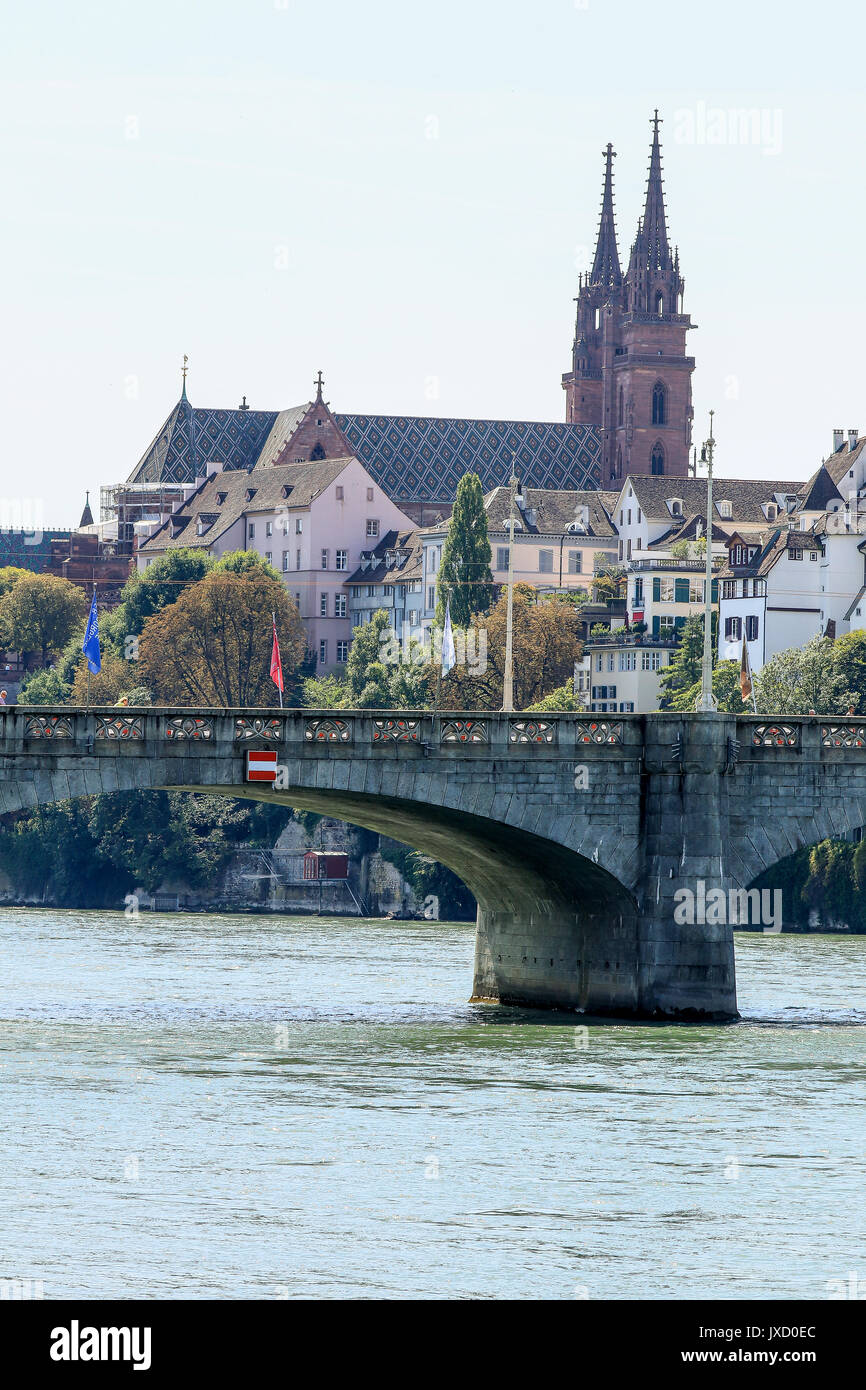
771	595
624	672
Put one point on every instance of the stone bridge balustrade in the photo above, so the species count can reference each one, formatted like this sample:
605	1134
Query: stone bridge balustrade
575	832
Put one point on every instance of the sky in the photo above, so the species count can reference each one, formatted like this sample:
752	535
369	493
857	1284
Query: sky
402	196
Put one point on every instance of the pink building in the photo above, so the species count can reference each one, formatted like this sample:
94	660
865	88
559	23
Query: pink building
310	520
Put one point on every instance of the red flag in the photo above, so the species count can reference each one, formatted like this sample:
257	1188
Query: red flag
276	663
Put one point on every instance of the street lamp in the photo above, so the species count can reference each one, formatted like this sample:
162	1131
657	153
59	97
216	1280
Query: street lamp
707	702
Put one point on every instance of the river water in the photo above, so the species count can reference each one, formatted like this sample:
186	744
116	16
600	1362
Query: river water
260	1107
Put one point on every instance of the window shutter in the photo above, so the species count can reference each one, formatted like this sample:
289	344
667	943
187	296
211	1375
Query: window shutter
657	593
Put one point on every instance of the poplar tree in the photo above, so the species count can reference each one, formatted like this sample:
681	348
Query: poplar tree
465	577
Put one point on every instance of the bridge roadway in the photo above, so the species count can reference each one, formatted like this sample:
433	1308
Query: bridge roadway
576	833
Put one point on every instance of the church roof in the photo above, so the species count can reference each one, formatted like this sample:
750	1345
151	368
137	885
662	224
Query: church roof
192	437
412	458
423	458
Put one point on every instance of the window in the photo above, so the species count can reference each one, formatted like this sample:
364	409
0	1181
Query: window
339	492
545	562
342	651
297	559
356	619
598	665
323	605
726	510
575	562
325	554
627	708
628	661
638	591
298	602
733	629
269	528
372	591
502	557
681	591
611	661
795	554
657	460
431	596
369	496
372	528
269	556
751	629
650	661
342	561
285	525
285	559
659	404
323	652
813	554
251	530
317	452
339	605
621	408
299	526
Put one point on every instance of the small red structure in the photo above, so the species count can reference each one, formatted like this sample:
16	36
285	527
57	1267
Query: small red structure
320	865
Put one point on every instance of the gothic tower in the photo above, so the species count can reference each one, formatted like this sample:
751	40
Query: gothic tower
631	376
599	288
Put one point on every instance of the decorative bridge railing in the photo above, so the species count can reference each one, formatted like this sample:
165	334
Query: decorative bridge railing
33	729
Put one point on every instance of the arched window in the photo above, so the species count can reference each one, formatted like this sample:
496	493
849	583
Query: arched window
660	303
317	452
621	414
660	402
657	461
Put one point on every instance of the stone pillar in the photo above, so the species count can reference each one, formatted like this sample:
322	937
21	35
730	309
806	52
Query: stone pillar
687	968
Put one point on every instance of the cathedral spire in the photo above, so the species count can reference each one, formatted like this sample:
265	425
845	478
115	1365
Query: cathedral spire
652	239
605	267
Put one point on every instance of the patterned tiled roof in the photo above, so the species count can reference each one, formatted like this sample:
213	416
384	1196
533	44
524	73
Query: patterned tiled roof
421	459
193	437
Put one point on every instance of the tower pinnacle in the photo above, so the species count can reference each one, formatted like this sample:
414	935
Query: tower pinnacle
605	266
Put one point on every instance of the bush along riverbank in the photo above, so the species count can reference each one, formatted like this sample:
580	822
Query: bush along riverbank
176	851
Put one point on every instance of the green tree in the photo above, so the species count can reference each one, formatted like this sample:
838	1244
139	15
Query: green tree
213	645
9	576
44	687
465	577
802	679
563	698
849	657
40	613
726	688
686	663
150	591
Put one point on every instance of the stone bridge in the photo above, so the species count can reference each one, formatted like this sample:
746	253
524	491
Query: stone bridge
575	833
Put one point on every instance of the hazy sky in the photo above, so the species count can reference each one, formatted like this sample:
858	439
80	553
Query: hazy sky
402	195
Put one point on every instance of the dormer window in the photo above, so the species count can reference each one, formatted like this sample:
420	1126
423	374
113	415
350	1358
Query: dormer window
286	491
772	511
221	497
676	506
726	510
250	494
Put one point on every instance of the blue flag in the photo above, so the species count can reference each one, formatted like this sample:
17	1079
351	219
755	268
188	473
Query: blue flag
90	646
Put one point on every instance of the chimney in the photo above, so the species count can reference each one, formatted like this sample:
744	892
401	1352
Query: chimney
838	440
852	440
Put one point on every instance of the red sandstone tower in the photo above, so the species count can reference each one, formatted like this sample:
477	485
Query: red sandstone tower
630	375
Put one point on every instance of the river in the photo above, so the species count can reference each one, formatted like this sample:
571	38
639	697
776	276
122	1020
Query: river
259	1107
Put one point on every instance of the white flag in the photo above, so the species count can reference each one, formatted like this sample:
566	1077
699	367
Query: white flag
447	642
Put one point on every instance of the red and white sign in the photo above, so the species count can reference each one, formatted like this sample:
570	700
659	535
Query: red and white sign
261	765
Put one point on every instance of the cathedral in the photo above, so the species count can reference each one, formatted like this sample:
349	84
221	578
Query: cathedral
628	400
630	376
